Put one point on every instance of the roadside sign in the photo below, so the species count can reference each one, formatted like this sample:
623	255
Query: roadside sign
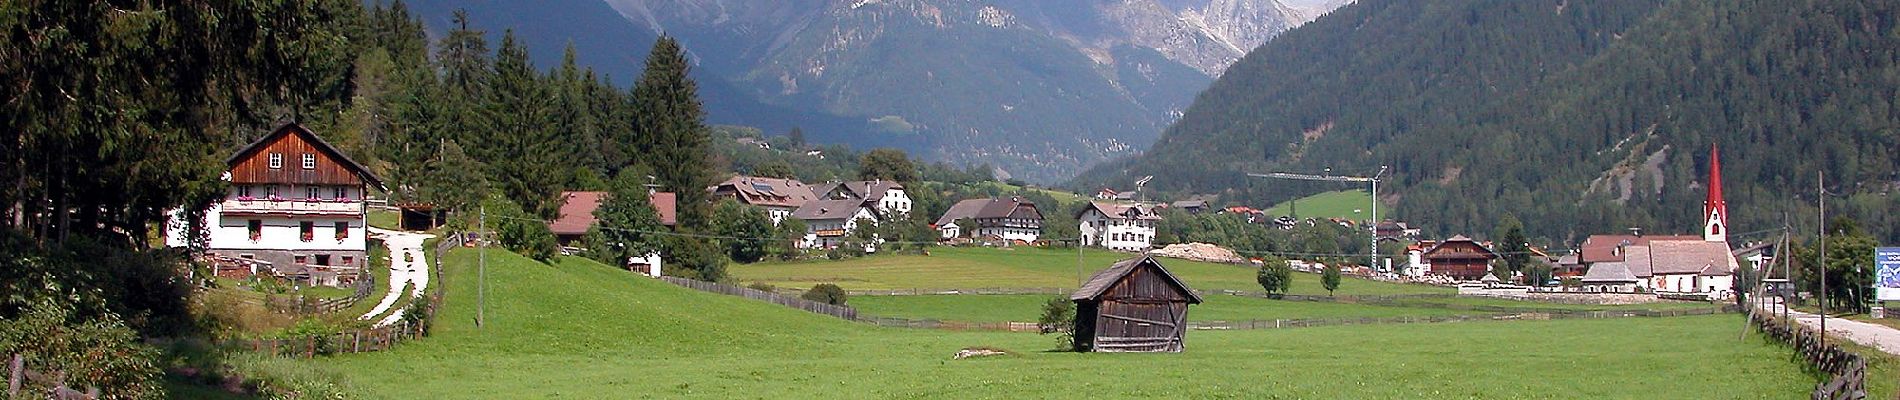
1887	273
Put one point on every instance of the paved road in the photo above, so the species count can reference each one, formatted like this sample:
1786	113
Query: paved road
407	264
1871	335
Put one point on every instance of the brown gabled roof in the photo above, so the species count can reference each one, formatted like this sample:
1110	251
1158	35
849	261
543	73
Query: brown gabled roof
990	208
1600	248
1104	279
828	209
577	211
1124	211
766	191
314	140
1484	252
1689	256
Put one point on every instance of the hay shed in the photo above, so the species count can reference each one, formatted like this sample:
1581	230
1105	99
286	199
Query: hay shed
1135	305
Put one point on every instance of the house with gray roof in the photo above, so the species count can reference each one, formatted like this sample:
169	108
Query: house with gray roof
1012	219
829	222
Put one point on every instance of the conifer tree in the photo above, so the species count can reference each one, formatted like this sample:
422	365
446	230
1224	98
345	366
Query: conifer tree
672	128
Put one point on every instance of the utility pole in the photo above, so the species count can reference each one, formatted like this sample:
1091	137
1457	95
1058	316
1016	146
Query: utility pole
1820	193
1373	180
481	274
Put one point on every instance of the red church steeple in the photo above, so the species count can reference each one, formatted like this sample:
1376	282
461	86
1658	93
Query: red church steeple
1714	210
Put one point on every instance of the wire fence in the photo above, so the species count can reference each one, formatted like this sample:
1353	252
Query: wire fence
843	312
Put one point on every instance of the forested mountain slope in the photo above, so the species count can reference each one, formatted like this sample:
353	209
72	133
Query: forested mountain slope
1576	117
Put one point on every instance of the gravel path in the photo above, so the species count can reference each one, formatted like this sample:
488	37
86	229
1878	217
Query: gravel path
407	264
1871	335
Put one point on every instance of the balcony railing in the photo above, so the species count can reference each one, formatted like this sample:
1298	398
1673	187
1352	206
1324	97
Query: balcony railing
333	207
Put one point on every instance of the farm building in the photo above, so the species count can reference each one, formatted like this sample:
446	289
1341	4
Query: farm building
1133	306
1460	258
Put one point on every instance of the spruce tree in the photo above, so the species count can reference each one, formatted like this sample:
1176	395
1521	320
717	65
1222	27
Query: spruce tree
522	150
672	128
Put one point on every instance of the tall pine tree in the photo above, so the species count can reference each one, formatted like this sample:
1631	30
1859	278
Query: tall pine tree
521	148
673	135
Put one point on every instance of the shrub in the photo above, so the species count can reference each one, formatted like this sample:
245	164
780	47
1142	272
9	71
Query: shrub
1058	318
96	352
282	378
762	286
1330	279
825	293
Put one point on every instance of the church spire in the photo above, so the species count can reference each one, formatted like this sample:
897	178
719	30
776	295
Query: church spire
1714	209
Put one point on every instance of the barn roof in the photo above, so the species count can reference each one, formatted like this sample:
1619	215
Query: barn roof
1104	279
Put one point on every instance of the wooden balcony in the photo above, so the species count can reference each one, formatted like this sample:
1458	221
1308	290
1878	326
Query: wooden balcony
292	207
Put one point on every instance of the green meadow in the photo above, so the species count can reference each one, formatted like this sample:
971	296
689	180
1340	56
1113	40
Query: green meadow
577	329
1025	267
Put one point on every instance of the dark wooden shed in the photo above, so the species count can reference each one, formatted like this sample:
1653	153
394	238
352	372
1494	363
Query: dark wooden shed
1133	306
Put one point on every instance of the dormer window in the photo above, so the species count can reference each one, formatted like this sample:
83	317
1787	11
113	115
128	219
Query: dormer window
309	161
276	160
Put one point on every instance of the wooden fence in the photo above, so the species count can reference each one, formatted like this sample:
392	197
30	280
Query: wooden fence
1847	371
844	312
19	376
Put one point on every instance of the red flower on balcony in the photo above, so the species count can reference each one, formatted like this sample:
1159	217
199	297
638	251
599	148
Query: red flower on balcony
307	236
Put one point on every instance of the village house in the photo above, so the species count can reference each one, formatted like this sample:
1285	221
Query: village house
1190	206
887	197
829	222
1011	219
779	197
1124	227
577	216
1459	258
295	205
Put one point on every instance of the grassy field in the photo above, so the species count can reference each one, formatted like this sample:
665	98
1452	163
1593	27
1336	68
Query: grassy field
579	329
1348	204
1020	267
386	219
1026	308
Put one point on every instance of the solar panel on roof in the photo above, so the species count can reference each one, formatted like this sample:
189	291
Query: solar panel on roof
761	187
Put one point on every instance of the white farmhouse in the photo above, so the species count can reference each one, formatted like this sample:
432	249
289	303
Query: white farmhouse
1012	219
295	203
887	197
829	222
1124	227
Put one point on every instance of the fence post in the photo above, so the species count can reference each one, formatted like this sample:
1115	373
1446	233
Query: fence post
18	372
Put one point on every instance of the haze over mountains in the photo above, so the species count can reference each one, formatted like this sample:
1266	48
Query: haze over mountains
1038	88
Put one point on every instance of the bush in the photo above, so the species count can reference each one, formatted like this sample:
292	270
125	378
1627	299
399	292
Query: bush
762	286
96	352
825	293
1058	317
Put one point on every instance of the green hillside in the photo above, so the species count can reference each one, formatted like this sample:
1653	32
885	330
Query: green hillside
1588	117
1023	267
1349	204
579	329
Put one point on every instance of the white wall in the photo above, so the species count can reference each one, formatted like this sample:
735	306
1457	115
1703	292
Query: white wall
894	202
284	233
1117	233
849	225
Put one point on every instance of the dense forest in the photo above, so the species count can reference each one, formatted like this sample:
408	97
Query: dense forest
1574	117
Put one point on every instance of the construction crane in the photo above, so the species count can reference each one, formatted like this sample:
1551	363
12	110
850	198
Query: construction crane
1329	177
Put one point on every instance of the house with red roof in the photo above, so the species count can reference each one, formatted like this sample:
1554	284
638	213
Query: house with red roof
577	216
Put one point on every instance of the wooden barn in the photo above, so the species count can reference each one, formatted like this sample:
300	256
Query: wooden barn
1133	306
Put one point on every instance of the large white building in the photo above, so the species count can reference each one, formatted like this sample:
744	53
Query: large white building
1124	227
1701	265
295	202
1012	219
887	197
